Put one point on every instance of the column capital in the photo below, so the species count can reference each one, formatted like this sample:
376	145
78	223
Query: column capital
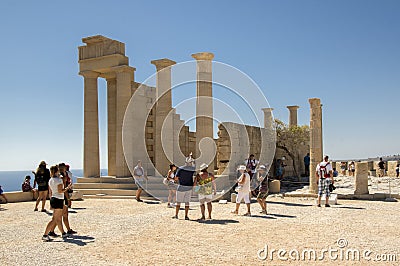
89	74
315	102
293	107
109	75
203	56
162	63
267	109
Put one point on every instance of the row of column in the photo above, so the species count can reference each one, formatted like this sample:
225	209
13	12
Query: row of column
119	82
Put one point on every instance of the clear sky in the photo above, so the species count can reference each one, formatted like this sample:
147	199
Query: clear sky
345	52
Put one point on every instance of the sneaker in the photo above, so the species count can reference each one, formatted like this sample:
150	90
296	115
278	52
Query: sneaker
187	218
43	210
52	234
71	232
46	238
327	205
65	235
175	217
35	210
319	205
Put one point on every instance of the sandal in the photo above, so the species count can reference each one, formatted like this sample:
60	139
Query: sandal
247	214
234	212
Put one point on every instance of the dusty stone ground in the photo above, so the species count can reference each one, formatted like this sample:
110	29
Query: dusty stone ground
124	232
345	185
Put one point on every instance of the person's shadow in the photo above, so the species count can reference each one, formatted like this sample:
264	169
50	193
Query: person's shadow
79	240
217	221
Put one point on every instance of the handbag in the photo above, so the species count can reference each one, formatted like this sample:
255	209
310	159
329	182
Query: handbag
331	187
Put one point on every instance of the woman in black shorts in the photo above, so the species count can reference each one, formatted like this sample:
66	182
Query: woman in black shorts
56	202
42	177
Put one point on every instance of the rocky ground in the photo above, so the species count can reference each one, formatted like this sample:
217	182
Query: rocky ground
125	232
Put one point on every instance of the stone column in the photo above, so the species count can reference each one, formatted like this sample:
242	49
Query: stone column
163	138
268	118
361	178
204	104
316	149
292	115
112	119
124	78
91	155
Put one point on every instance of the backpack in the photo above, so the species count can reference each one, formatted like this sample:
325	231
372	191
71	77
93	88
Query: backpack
323	173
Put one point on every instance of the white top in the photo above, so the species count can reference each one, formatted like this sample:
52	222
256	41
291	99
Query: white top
53	183
327	169
245	187
138	171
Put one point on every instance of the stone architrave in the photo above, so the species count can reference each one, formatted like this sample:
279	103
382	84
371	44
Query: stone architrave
293	115
316	148
204	103
163	138
361	178
91	152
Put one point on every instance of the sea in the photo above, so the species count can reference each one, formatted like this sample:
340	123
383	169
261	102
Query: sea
12	180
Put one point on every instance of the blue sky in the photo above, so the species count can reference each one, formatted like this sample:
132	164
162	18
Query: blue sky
345	52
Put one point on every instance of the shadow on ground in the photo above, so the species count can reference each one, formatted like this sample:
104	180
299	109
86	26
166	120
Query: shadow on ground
289	204
78	240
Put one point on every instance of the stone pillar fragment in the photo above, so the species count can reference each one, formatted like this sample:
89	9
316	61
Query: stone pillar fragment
268	118
316	148
91	151
204	105
124	78
361	178
292	115
163	139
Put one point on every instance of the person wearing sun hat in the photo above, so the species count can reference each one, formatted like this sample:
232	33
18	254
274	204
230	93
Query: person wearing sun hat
207	188
243	190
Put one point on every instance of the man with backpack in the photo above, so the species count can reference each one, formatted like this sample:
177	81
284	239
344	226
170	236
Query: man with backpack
324	173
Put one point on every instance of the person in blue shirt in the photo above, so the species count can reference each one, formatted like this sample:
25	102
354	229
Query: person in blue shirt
307	164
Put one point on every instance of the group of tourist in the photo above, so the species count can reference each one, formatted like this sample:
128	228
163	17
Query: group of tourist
57	184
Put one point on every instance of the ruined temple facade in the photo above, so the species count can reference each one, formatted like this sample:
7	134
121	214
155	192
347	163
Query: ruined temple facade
101	57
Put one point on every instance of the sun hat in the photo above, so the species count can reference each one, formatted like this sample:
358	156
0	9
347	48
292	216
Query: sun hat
242	167
203	166
262	167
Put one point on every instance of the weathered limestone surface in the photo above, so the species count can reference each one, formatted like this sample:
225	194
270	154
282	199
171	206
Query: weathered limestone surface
91	152
204	107
163	143
293	115
316	151
391	166
361	178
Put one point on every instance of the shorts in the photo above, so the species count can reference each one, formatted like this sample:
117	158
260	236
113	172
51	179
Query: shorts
183	196
172	186
262	195
56	203
243	195
323	186
381	172
205	198
44	188
139	182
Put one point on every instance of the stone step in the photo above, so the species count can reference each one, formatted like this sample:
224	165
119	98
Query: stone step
80	186
113	192
105	179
